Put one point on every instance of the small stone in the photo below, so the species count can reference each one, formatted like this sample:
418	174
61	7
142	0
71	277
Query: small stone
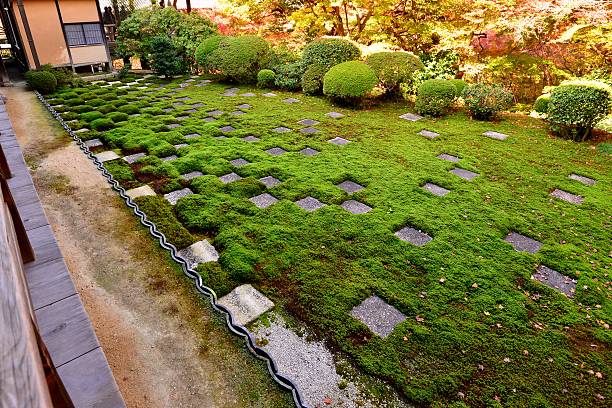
191	175
81	130
309	152
334	115
239	162
227	129
132	158
192	135
269	181
220	137
281	129
245	304
174	196
238	113
106	156
251	138
197	105
291	100
182	117
269	95
495	135
180	145
169	158
93	143
355	207
565	196
142	191
429	134
413	236
263	200
350	186
555	280
411	117
522	243
215	112
173	125
198	253
339	141
228	178
309	130
248	94
464	174
209	119
309	204
276	151
308	122
244	106
448	157
582	179
436	189
379	316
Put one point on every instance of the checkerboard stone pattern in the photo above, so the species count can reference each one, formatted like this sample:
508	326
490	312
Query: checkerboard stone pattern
269	181
350	186
464	174
106	156
173	125
582	179
411	117
521	243
215	112
380	317
334	115
191	175
565	196
192	135
309	204
174	196
495	135
246	304
239	162
251	138
276	151
93	143
436	189
309	151
429	134
555	280
142	191
355	207
198	253
413	236
448	157
309	130
339	141
291	100
308	122
281	129
229	178
227	129
263	200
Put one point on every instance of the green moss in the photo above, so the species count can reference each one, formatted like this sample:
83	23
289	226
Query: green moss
91	116
122	172
160	212
118	116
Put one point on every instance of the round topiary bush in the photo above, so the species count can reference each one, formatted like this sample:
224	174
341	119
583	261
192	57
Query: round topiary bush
484	101
576	106
330	52
312	80
289	76
102	124
41	81
435	97
349	81
117	116
129	109
238	59
460	85
541	104
265	78
205	48
394	68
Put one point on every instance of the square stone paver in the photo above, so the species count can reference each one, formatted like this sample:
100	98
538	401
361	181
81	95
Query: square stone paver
291	100
263	200
93	143
232	89
168	110
220	137
411	117
141	191
339	141
81	130
197	105
182	117
281	129
380	317
350	186
414	236
334	115
239	162
246	304
429	134
244	106
309	130
309	151
269	181
569	197
248	94
522	243
178	103
276	151
464	174
582	179
132	158
178	146
215	112
227	129
173	125
309	204
174	196
269	95
237	113
436	189
495	135
169	158
308	122
209	119
229	178
106	156
200	252
191	175
355	207
449	157
555	280
229	94
192	135
251	138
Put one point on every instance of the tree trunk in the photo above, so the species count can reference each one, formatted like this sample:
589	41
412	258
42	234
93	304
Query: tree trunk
188	6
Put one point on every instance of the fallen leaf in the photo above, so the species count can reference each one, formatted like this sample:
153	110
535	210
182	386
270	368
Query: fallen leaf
474	285
419	318
506	360
327	400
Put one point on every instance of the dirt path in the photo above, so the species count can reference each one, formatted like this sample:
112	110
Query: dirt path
165	346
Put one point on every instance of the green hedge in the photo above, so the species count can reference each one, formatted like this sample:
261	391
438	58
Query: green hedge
159	211
484	101
41	81
289	76
435	97
265	78
330	52
349	81
312	80
394	68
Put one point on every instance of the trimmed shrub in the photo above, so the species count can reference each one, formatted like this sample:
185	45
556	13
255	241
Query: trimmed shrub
435	97
330	52
394	68
460	85
312	80
239	59
164	57
102	124
289	76
129	109
576	106
349	81
117	116
205	49
541	104
265	78
41	81
483	101
91	116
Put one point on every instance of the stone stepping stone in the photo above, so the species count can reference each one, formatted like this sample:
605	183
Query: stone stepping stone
178	103
582	179
521	243
251	138
169	158
220	137
215	112
190	111
198	105
167	110
244	106
339	141
281	129
413	236
229	178
566	196
380	317
334	115
133	157
106	156
198	253
182	117
246	304
495	135
209	119
232	89
192	135
239	162
229	94
269	95
309	151
269	181
263	200
184	98
191	175
355	207
291	100
238	113
555	280
190	80
178	146
464	174
309	204
429	134
448	157
134	115
436	189
81	130
173	125
248	94
227	129
308	122
350	186
276	151
309	130
93	143
411	117
142	191
174	196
